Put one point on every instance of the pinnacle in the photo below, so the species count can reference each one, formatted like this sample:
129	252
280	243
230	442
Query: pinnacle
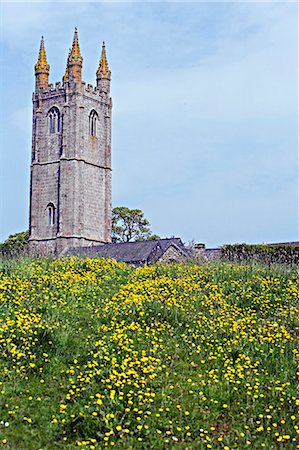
42	63
75	54
103	70
66	74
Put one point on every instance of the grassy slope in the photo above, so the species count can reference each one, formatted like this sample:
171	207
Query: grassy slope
96	354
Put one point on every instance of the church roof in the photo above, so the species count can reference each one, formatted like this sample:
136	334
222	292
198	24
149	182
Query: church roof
138	252
165	243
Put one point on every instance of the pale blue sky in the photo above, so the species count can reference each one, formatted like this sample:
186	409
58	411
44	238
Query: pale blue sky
205	111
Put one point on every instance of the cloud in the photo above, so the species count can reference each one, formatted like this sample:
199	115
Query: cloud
205	108
256	76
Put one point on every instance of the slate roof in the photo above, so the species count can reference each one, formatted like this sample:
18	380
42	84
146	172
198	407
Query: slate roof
138	252
165	243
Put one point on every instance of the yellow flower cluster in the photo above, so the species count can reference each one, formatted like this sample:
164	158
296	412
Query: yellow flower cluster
97	354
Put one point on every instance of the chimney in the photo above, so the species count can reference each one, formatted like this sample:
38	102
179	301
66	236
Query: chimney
199	252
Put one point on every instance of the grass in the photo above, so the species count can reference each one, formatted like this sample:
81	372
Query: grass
98	354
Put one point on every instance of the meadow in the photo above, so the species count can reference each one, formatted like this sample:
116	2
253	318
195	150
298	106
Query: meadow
98	354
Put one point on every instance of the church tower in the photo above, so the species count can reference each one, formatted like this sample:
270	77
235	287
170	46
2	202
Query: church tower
70	186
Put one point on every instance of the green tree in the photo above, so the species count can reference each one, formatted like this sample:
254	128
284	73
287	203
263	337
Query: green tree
130	225
15	244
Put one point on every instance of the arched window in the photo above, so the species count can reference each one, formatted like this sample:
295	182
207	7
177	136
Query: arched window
51	214
54	120
93	119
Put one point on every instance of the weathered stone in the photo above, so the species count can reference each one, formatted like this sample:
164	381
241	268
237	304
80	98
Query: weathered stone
174	254
70	188
199	252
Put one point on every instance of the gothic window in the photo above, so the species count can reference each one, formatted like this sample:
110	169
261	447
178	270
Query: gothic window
51	214
54	120
93	119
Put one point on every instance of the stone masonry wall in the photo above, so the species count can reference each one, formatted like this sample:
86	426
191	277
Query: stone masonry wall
172	254
71	169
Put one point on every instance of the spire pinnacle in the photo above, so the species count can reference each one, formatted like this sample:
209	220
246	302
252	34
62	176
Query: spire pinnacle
74	62
42	63
103	70
42	68
66	74
75	54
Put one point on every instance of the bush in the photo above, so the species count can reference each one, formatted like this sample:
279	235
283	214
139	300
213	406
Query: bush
15	245
264	253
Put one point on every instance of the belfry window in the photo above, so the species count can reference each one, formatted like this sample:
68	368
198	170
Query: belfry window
51	214
54	120
93	119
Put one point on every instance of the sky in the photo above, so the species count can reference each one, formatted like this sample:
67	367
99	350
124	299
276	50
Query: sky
205	111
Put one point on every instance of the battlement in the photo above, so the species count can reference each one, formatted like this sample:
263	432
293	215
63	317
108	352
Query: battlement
93	90
60	88
90	88
51	90
58	85
72	78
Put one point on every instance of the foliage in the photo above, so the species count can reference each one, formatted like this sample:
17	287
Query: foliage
96	354
15	245
130	225
269	254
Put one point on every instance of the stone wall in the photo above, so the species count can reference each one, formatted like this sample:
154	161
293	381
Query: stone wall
70	168
173	254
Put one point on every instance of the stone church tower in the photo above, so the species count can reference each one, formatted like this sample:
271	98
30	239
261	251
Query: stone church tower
70	187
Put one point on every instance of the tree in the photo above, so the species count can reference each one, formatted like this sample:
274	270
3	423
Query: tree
15	244
130	225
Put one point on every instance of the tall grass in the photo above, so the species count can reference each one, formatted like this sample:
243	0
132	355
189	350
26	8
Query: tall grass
98	354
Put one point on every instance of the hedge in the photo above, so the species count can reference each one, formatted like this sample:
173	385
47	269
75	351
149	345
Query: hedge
265	253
